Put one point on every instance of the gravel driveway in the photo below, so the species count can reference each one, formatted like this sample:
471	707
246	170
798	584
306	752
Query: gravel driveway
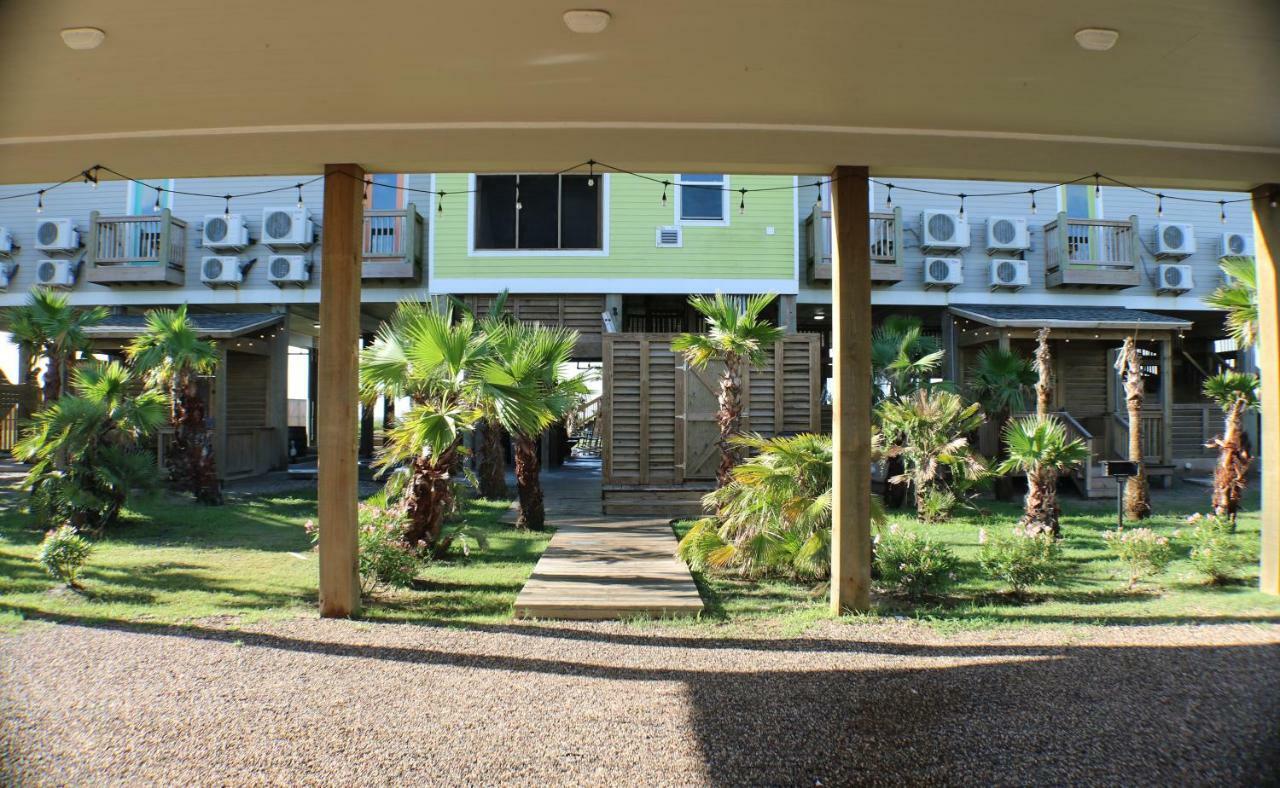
311	701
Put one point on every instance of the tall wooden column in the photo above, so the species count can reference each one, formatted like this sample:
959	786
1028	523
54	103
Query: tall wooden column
1166	404
1266	233
851	408
337	402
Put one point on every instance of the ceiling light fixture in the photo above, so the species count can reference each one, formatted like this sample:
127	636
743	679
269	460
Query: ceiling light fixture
1097	39
586	20
83	37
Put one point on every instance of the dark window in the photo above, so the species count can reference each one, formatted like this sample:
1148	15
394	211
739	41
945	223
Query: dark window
537	212
702	197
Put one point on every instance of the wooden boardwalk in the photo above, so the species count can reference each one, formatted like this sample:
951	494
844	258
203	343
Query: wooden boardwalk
600	567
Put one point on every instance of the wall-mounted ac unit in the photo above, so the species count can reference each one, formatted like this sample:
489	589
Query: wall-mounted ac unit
1174	240
1009	274
943	231
57	273
1007	234
6	242
1235	245
225	231
287	227
946	272
1173	279
218	270
7	272
288	269
57	235
671	236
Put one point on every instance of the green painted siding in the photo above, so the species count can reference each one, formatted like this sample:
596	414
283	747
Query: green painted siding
740	250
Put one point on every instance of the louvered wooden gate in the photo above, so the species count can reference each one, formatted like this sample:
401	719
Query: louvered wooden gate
659	416
579	312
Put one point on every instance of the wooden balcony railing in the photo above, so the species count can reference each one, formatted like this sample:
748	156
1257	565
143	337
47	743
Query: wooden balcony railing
1152	436
393	242
886	246
1097	253
131	250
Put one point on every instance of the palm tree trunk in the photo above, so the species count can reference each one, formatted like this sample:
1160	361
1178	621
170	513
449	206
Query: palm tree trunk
1042	512
1137	490
529	484
428	500
729	419
191	462
492	465
1233	464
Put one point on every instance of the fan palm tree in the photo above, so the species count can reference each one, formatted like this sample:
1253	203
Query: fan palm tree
775	516
903	358
1235	393
1000	381
1137	491
737	334
173	357
86	447
536	359
491	466
1038	446
929	431
446	368
47	325
1239	299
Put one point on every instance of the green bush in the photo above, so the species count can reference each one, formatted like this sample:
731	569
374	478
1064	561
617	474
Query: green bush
1019	560
936	505
1142	550
1214	552
385	559
63	553
912	565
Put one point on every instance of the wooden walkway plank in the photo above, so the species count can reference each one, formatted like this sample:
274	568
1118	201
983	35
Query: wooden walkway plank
600	567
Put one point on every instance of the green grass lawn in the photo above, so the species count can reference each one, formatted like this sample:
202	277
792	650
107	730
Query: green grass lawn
173	561
1094	593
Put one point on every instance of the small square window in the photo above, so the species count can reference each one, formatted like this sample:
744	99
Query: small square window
703	198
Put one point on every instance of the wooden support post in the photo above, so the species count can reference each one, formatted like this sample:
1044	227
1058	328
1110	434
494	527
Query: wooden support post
1003	341
1166	403
338	391
1266	233
851	407
787	313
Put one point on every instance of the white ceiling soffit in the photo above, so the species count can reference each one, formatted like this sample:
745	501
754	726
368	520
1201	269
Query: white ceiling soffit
912	87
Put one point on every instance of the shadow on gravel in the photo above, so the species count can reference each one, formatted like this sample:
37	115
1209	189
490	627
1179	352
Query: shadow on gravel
988	714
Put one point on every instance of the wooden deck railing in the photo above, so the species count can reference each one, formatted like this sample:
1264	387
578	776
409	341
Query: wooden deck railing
1101	253
1152	436
392	244
886	245
137	249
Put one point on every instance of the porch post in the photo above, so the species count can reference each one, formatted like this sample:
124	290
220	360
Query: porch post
337	403
1266	232
851	406
1166	404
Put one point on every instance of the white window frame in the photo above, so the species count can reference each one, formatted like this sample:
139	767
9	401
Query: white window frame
724	203
603	182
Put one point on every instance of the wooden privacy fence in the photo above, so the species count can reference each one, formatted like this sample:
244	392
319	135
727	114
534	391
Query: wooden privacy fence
17	401
659	415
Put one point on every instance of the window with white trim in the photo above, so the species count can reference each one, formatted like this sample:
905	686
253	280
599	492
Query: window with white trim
702	198
538	212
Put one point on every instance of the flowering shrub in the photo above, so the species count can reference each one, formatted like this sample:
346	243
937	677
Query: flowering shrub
1019	560
63	552
1214	552
385	560
912	565
1144	551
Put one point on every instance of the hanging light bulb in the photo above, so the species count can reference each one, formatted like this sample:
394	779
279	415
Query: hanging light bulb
93	177
1222	211
155	206
519	205
591	172
665	184
366	190
226	210
1097	185
440	202
962	196
1160	206
1273	199
742	201
40	201
888	196
1032	192
299	195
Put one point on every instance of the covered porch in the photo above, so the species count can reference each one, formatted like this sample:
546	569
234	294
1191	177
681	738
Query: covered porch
786	93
